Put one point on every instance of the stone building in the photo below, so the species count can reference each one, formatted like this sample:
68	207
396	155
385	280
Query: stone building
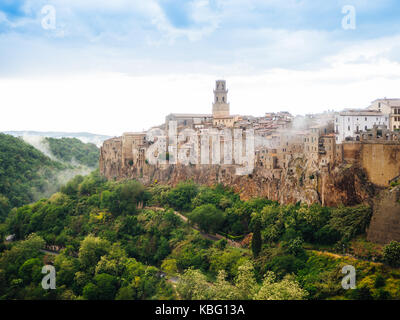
311	143
349	123
327	149
390	107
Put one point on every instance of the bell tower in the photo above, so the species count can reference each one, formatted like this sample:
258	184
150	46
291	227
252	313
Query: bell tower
220	106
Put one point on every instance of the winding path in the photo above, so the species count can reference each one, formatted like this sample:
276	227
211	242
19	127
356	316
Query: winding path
212	237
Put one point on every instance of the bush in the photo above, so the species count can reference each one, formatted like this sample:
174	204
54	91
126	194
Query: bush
207	217
180	197
350	221
391	254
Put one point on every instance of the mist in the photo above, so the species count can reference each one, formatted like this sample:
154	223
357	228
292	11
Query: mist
59	178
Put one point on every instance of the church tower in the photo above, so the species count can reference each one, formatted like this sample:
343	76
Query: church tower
220	106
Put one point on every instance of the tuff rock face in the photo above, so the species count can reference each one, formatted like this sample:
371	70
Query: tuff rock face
385	221
302	181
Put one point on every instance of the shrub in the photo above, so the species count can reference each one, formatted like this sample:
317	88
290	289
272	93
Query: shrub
391	254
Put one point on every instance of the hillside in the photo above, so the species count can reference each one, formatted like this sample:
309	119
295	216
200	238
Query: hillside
74	150
27	174
85	137
115	245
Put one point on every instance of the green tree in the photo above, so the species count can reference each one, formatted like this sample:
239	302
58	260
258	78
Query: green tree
4	207
31	271
91	250
193	285
107	286
66	268
181	196
256	241
286	289
104	287
223	290
245	281
391	254
91	292
207	217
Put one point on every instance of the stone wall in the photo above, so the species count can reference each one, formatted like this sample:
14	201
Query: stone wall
385	221
381	161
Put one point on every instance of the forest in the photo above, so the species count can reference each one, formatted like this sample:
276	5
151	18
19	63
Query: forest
26	174
121	240
74	150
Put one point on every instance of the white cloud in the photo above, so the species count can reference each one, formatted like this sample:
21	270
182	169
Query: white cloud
112	103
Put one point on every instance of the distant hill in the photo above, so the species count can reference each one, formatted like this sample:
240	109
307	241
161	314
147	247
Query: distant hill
85	137
74	150
30	170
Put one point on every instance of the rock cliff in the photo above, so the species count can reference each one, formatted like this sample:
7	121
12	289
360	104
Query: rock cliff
301	181
385	221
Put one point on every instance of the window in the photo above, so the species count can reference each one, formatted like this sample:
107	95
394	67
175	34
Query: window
348	128
365	118
365	127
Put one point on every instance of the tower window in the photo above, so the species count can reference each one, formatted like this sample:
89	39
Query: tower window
223	99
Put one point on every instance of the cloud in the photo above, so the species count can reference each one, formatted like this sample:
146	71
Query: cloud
107	58
170	35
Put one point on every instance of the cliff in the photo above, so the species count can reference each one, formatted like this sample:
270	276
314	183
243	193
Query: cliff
302	181
385	221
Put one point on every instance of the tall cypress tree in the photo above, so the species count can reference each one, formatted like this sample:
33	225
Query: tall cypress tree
256	241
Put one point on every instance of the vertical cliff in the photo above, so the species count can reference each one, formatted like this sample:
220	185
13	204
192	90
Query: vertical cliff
385	221
301	181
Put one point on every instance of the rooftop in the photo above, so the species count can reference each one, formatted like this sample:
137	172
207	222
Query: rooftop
361	113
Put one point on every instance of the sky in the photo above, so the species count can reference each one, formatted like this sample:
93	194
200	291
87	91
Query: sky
110	67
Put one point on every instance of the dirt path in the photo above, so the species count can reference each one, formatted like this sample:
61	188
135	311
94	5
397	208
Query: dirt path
54	253
212	237
339	256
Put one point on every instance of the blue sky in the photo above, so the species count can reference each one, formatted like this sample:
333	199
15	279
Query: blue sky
264	48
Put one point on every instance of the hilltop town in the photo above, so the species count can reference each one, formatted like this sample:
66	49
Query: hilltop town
330	158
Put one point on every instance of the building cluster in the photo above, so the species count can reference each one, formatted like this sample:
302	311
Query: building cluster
280	138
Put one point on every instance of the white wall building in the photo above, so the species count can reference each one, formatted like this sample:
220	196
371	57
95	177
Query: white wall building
390	107
347	123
